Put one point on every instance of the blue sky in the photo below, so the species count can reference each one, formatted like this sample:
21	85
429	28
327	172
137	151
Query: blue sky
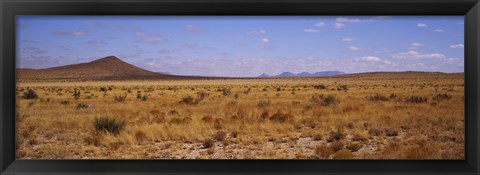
246	46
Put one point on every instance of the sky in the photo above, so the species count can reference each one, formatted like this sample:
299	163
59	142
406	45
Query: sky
246	46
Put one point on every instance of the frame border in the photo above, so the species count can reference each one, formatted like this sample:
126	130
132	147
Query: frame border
10	8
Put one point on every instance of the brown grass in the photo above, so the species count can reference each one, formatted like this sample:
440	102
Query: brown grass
337	121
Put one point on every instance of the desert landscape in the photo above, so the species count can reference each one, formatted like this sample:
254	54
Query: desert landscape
109	109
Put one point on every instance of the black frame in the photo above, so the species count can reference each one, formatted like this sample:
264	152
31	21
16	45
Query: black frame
10	8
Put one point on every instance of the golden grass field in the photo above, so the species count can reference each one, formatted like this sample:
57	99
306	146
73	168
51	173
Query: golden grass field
364	116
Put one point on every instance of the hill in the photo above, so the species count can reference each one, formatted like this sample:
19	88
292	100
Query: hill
107	68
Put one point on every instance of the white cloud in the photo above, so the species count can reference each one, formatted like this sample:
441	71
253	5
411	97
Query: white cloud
311	30
338	25
348	39
75	33
265	40
439	30
368	59
353	20
320	24
260	32
422	25
415	46
453	61
354	48
149	38
417	55
192	28
456	46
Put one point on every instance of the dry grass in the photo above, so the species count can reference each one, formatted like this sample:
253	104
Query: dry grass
416	117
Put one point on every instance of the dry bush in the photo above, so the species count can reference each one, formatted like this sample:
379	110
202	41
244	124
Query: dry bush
320	86
336	146
440	97
120	98
264	103
207	118
323	151
343	154
220	136
208	143
416	99
281	117
83	106
336	135
109	124
375	131
325	100
140	136
30	94
226	91
354	147
390	132
377	97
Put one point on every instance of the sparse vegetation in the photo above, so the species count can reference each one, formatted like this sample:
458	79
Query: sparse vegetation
375	118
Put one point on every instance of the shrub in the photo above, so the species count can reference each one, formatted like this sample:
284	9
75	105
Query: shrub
188	100
323	151
264	115
354	147
83	106
192	101
336	146
144	97
220	136
65	102
226	91
30	94
336	135
377	97
120	98
140	136
440	97
207	118
343	154
263	103
103	89
320	86
76	94
208	143
342	88
281	117
416	99
325	100
391	132
393	96
109	124
375	132
359	138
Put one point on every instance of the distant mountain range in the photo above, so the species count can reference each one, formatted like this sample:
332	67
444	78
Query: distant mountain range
305	74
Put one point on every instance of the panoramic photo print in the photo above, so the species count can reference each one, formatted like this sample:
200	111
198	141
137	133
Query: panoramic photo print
240	87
